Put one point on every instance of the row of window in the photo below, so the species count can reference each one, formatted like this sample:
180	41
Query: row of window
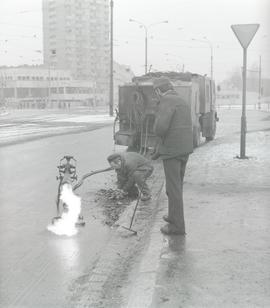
39	92
36	78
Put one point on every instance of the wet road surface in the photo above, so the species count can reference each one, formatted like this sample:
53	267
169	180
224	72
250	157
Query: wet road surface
37	266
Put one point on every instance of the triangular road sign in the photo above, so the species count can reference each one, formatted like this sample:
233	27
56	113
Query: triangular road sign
245	33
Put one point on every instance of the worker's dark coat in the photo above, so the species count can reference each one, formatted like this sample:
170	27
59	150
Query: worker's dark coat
130	162
173	126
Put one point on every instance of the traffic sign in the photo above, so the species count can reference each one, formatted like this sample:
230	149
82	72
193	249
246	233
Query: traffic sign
245	33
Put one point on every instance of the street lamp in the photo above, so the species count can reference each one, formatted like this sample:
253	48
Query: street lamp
142	25
111	96
205	40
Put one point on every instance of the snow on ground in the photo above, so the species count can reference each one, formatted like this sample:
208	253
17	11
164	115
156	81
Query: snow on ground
31	125
223	151
14	133
91	118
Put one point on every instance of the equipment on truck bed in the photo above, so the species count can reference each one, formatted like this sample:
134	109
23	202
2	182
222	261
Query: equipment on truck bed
137	108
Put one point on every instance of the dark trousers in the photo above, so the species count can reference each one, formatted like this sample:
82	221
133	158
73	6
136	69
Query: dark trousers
174	170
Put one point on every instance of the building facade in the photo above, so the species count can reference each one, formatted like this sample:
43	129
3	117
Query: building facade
47	87
76	37
40	87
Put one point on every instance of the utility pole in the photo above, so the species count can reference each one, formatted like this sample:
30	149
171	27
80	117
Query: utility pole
146	51
49	84
111	63
52	53
260	83
2	90
209	43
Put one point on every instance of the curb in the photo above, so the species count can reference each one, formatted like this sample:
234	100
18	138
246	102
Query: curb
144	286
94	289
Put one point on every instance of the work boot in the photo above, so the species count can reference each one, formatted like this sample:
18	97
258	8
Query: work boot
171	229
145	197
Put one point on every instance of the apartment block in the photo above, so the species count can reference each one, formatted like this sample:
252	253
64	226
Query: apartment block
76	37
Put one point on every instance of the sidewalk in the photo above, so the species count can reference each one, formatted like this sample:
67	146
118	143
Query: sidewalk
223	261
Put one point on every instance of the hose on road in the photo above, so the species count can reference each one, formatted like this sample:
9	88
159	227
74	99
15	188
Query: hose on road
76	186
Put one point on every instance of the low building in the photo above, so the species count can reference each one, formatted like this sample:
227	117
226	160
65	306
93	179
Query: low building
42	87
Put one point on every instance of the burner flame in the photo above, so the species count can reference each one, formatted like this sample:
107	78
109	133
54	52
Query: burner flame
66	224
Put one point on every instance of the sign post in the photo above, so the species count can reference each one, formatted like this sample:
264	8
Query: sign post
244	34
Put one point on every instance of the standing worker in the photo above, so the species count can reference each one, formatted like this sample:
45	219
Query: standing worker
173	127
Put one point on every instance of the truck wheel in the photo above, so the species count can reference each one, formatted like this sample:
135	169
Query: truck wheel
196	136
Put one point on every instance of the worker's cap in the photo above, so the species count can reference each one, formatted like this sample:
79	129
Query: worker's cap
113	157
161	82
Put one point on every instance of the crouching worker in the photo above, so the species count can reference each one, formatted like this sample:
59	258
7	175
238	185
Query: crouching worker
132	170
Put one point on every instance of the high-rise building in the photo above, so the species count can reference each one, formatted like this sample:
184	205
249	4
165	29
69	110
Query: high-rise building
76	37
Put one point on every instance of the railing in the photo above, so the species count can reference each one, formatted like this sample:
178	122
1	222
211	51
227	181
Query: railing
256	106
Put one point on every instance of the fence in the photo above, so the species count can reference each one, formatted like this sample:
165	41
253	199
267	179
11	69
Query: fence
256	106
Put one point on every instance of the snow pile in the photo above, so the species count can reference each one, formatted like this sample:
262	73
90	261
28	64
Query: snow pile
66	225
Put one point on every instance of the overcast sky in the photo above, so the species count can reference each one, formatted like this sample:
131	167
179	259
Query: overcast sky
170	45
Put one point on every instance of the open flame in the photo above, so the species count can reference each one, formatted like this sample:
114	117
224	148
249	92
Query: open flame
66	224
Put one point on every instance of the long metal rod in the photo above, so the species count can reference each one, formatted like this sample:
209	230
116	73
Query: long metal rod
146	51
111	62
243	118
260	83
49	84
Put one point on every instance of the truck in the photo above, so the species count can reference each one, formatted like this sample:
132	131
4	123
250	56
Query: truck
137	108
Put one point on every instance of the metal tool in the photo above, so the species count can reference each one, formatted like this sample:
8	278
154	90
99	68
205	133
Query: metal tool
135	209
132	218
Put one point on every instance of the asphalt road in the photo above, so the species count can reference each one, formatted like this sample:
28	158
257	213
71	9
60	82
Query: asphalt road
37	267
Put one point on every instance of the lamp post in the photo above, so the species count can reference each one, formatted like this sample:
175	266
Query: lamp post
142	25
260	83
52	54
211	59
3	85
111	62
